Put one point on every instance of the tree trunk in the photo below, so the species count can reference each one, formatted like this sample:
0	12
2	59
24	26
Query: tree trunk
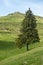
27	47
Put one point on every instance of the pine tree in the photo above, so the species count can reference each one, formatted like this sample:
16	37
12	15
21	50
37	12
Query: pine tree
29	30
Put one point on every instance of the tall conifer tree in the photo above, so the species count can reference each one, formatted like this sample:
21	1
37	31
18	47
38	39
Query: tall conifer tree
29	30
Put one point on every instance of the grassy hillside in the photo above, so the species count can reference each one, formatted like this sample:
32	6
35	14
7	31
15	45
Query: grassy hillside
10	26
9	30
33	57
13	17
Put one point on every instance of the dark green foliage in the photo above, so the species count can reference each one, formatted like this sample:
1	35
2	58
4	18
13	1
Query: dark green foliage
29	31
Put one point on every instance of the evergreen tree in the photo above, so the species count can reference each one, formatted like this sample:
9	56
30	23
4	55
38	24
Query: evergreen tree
29	33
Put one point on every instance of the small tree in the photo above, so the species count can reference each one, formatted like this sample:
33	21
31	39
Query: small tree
29	33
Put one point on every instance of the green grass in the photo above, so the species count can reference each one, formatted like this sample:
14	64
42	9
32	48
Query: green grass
33	57
8	49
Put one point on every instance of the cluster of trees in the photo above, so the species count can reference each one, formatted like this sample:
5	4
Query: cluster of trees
29	32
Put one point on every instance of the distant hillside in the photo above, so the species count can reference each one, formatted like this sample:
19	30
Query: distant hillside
13	17
18	17
39	19
11	24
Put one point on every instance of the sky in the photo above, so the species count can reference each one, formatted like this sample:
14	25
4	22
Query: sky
11	6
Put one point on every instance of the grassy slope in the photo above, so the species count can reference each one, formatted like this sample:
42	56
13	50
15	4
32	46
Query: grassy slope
9	30
33	57
10	26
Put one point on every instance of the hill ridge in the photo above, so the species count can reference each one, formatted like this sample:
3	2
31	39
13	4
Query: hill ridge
18	16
